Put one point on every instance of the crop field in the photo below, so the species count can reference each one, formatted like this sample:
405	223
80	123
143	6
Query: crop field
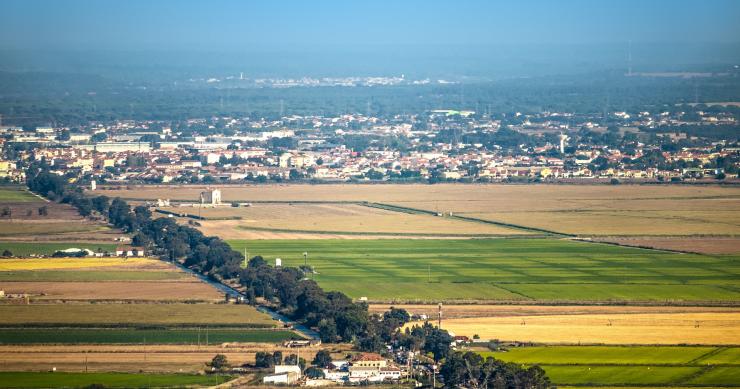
460	311
32	264
49	248
141	336
339	219
16	194
156	358
625	365
108	380
133	314
604	210
711	328
505	269
178	290
89	276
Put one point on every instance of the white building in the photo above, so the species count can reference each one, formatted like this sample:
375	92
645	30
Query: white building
211	197
284	374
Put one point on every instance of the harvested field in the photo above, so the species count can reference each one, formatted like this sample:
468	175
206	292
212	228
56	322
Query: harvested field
188	289
32	264
451	311
142	336
663	328
133	314
575	209
702	245
133	358
545	270
340	219
49	248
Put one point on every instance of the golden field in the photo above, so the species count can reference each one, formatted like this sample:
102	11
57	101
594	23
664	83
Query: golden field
15	264
575	209
338	219
637	328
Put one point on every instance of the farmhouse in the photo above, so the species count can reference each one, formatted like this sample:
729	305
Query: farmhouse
366	367
284	374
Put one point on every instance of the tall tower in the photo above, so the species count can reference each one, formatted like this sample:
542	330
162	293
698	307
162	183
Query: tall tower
563	139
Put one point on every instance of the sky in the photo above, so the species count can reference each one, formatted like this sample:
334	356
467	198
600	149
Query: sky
303	25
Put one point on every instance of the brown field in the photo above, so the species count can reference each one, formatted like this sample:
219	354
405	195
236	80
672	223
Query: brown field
576	209
485	310
635	328
337	219
187	289
701	245
62	223
152	313
133	358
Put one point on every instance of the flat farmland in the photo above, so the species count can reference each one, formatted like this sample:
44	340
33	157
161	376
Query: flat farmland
628	365
542	270
461	311
142	336
139	357
598	210
108	380
178	290
348	219
21	249
175	314
639	328
17	194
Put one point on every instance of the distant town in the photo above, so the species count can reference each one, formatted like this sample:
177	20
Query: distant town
687	143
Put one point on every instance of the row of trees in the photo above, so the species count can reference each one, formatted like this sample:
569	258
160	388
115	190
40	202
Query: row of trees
471	370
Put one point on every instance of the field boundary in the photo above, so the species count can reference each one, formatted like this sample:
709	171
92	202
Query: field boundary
403	209
381	233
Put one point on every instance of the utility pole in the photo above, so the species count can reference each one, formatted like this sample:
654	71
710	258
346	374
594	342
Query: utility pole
439	317
305	258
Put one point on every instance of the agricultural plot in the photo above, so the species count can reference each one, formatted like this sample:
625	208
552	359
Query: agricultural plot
598	210
24	249
100	279
106	315
185	289
711	328
17	194
337	219
625	365
543	270
108	380
137	358
140	336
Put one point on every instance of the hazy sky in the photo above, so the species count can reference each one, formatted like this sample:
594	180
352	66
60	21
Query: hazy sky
182	24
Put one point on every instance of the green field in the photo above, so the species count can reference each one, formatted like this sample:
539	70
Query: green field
16	194
140	336
22	249
108	380
505	269
631	365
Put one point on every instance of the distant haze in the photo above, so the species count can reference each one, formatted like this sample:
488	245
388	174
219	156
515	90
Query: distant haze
485	39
